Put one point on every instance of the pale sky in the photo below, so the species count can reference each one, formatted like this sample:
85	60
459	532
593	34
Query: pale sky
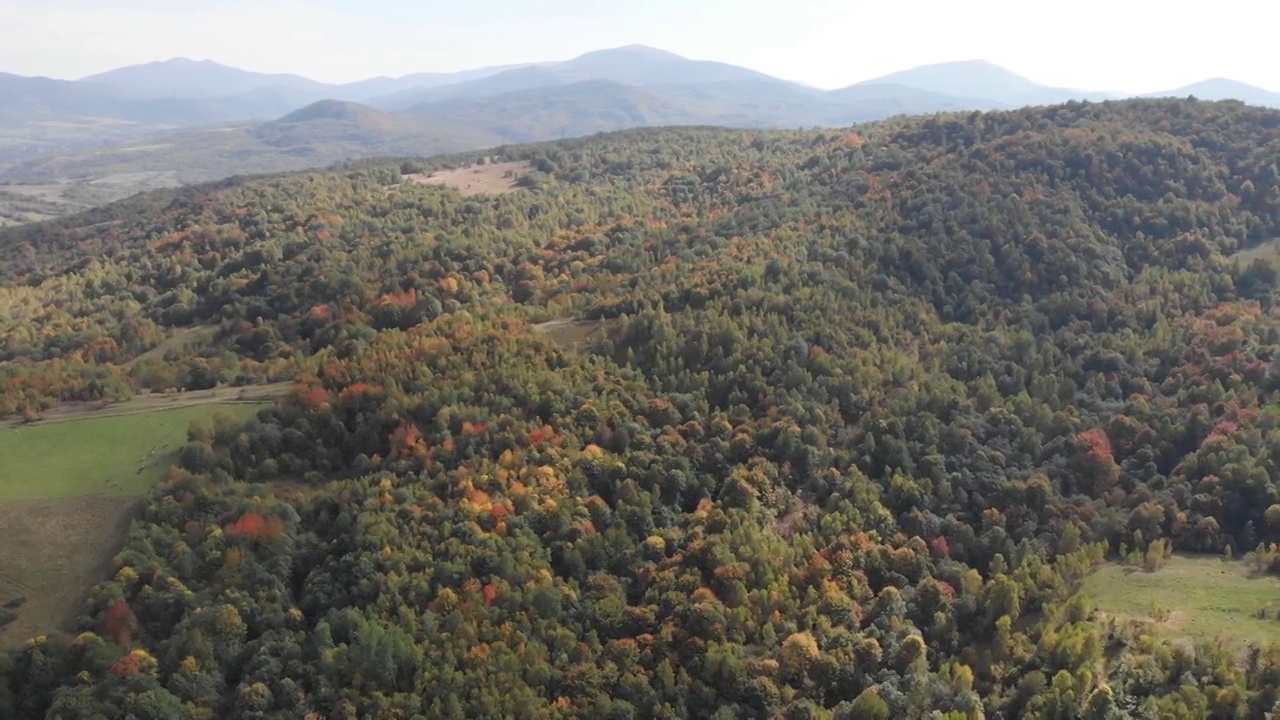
1125	45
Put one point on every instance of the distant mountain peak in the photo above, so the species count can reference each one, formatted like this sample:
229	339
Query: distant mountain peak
977	78
180	62
334	110
635	51
971	63
1223	82
1220	88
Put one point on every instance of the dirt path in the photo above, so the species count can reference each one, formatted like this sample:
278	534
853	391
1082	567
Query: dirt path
155	402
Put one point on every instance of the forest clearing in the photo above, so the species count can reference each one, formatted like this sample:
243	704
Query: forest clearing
495	178
568	332
67	490
1268	251
1192	598
111	454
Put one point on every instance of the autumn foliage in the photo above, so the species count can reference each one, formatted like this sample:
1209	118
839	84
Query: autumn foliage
119	623
855	418
940	547
257	528
406	441
131	664
1099	459
314	399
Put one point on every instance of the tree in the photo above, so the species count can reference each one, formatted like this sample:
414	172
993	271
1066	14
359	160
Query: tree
870	706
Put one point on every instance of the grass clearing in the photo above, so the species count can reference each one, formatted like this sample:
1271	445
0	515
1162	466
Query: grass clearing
112	455
68	489
571	333
1268	251
1191	598
180	341
53	552
493	178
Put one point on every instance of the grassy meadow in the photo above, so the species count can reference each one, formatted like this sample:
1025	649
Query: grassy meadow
109	455
1192	598
68	487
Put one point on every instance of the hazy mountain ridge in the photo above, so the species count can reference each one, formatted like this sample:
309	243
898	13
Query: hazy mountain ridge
982	79
1224	89
182	92
182	121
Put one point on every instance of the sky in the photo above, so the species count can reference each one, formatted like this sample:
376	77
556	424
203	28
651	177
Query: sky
1120	45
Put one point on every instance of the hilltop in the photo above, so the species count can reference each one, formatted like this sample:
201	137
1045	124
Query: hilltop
682	422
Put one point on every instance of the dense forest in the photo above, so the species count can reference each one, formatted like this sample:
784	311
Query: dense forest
846	419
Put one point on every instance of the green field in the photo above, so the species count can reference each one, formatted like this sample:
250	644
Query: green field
1268	251
1206	597
69	485
114	455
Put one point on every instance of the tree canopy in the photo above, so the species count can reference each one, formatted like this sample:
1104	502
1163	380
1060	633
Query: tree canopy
842	423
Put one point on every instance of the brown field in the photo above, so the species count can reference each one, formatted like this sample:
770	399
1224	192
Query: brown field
571	333
492	179
22	203
53	554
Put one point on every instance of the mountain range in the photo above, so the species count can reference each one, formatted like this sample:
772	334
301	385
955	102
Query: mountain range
181	120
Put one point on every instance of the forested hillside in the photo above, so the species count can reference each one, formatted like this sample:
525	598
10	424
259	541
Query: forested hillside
847	420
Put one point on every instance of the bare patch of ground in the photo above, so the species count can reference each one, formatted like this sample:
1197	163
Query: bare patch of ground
571	333
141	148
491	179
53	552
180	340
292	490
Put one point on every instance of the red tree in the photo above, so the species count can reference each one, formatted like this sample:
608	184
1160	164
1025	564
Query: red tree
256	528
119	623
1099	461
314	399
127	666
406	441
940	547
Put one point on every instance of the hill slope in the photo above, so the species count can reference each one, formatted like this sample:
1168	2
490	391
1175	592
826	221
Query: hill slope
846	420
317	135
573	110
330	130
982	79
185	78
634	65
1225	89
